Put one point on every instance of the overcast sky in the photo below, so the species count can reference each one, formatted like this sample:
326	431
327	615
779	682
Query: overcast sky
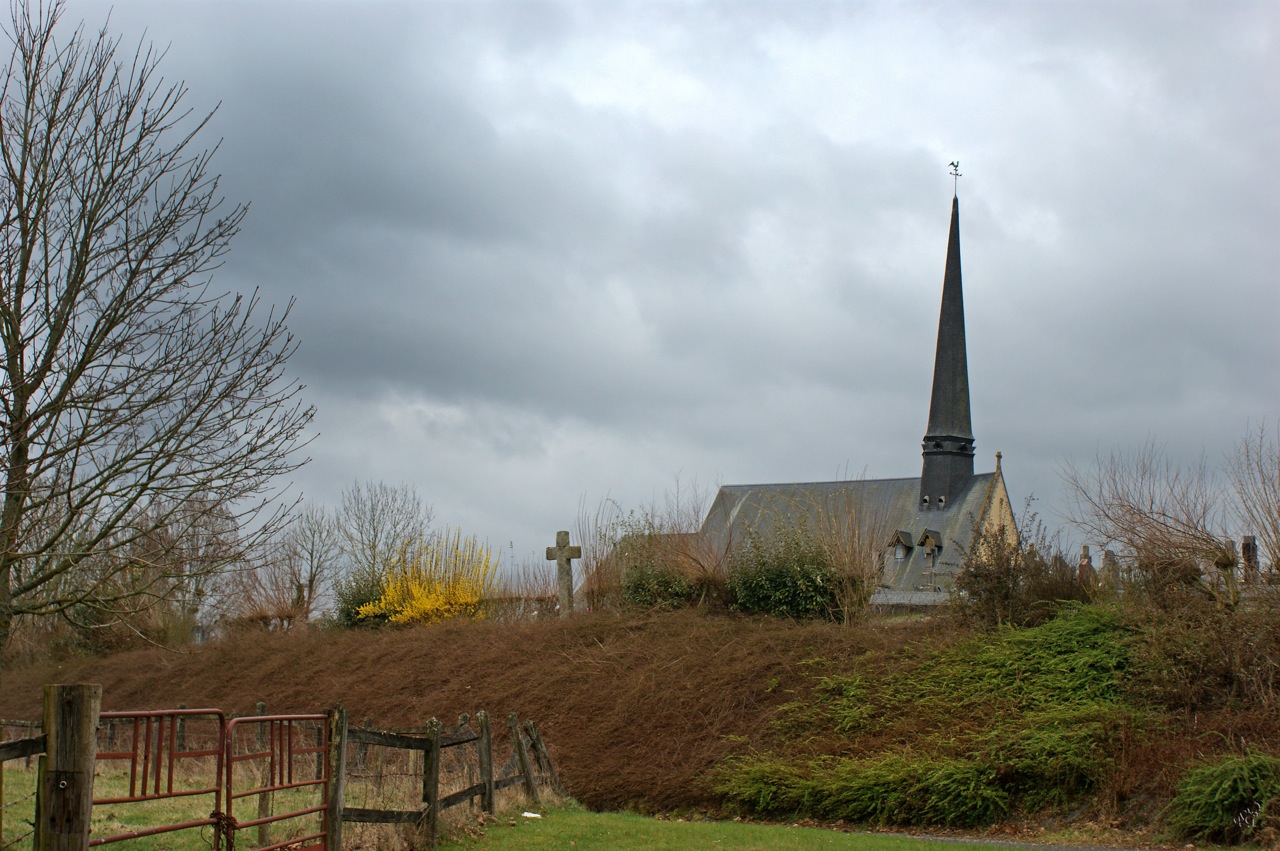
549	253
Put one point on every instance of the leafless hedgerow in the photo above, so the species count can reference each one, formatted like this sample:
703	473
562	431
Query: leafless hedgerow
666	537
527	592
135	398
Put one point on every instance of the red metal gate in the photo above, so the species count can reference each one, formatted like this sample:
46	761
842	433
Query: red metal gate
159	744
279	760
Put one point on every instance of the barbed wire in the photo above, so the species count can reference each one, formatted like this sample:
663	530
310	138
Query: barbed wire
18	801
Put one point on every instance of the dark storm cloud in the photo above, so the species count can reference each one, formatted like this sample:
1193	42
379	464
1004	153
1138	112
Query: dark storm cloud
542	250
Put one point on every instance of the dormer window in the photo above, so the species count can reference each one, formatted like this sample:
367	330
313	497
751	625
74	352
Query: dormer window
942	502
924	502
899	552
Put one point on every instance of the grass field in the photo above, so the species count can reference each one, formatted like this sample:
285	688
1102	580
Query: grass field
583	830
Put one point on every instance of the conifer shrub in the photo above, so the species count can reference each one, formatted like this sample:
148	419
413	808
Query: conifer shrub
1225	800
888	790
1020	718
785	573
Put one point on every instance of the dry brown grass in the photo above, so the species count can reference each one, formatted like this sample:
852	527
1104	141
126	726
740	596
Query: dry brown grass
636	709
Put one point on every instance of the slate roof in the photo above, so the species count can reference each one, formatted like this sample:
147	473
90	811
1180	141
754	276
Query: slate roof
890	506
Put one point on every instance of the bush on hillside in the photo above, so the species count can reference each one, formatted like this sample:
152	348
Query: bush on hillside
892	789
652	586
1193	655
1015	580
447	576
1015	719
1225	800
353	592
785	573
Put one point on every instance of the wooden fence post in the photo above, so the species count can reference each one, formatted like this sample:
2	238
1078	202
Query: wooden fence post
362	749
264	798
484	755
522	758
542	757
337	765
431	782
65	786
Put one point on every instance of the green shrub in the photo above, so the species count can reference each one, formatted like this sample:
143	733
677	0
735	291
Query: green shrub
785	573
1052	756
1224	800
655	587
359	588
765	785
1020	718
891	790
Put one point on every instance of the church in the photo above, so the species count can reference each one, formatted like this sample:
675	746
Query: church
921	527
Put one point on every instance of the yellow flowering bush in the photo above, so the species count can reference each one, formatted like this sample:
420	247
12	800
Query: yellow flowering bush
445	576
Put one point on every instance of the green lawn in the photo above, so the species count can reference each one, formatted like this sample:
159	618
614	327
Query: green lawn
579	829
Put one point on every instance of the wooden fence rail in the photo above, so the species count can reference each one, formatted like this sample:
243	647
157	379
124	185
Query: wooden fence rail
68	751
431	744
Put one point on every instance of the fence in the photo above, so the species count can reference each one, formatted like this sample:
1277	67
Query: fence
30	742
186	753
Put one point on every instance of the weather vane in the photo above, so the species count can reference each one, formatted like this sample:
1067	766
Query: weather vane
955	174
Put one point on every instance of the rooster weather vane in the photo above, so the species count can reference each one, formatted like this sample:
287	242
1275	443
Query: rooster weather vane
955	174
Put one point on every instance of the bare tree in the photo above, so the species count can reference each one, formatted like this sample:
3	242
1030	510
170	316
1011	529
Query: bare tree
133	393
1167	521
288	578
1254	469
375	523
314	553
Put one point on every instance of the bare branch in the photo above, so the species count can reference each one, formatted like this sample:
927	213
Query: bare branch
134	396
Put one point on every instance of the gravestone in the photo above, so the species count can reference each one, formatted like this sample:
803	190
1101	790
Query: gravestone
1086	575
1249	557
563	554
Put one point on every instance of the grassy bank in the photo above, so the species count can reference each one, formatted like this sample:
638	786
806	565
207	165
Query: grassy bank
587	831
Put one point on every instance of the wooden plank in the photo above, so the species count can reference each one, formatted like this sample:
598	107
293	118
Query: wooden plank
507	782
522	759
461	797
384	739
542	757
362	816
461	737
21	747
431	783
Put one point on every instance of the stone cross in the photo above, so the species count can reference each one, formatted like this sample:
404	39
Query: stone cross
562	554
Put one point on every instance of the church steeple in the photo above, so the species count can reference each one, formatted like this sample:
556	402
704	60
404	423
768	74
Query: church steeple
948	442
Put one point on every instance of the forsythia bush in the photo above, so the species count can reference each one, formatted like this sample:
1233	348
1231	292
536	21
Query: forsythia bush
446	576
